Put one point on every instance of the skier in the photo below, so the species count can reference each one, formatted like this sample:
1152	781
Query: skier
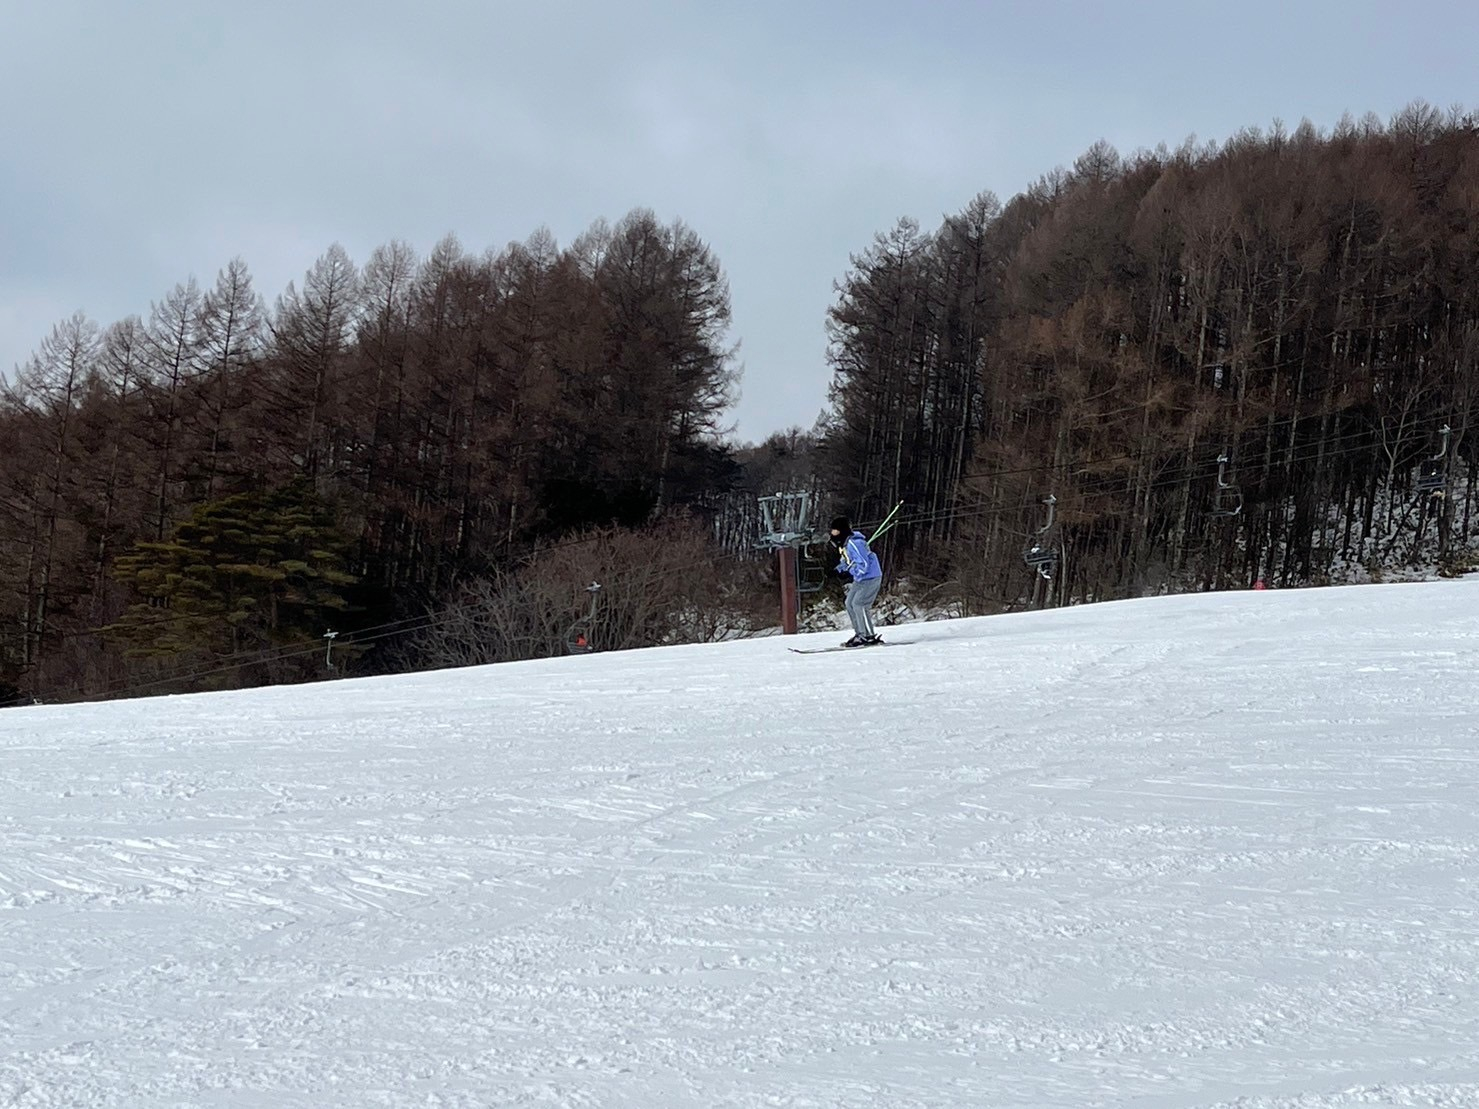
861	564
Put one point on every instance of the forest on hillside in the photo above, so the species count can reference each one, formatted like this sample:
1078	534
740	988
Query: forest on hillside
1223	363
207	490
1226	363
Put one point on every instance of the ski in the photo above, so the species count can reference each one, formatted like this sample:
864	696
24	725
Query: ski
829	650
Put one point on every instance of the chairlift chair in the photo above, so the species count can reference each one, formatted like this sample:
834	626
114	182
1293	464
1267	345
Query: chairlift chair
1039	554
1229	498
1042	559
1433	480
578	638
811	571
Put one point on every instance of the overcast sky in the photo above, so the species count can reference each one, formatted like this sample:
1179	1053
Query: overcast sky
143	142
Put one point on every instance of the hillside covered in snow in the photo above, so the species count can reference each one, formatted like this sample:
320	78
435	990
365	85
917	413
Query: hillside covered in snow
1216	850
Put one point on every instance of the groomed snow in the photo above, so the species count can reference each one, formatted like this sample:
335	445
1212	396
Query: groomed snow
1200	851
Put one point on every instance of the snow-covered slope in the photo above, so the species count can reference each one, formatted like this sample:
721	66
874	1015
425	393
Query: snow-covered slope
1195	851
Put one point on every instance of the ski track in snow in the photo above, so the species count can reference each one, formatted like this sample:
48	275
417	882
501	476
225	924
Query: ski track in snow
1197	851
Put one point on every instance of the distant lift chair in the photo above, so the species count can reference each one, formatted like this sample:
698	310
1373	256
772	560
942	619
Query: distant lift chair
1433	478
1041	554
1229	498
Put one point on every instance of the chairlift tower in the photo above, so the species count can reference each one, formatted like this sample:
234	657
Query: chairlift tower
785	523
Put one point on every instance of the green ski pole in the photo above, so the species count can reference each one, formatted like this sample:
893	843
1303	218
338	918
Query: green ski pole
888	522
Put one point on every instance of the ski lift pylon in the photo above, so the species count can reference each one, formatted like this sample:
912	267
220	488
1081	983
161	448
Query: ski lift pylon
785	519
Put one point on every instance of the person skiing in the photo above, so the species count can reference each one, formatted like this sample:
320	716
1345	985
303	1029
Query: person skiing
861	564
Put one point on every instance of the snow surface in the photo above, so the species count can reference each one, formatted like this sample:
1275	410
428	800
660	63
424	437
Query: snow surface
1191	851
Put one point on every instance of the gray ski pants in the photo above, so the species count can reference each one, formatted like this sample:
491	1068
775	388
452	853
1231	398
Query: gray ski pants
860	598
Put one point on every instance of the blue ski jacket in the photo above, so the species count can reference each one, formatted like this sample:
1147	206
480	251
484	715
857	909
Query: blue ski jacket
858	560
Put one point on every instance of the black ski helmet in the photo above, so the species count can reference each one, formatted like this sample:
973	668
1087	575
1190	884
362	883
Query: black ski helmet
840	523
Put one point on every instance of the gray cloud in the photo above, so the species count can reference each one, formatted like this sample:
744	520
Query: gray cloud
141	143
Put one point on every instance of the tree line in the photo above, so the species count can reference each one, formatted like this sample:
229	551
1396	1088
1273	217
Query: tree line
221	478
1226	362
